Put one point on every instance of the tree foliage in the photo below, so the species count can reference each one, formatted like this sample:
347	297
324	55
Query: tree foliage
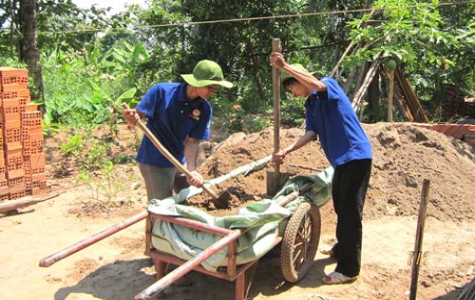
425	37
131	50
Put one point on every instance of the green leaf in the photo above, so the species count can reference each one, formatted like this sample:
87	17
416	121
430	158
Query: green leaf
100	92
126	97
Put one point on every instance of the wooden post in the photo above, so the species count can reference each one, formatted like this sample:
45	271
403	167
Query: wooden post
417	254
390	95
276	88
276	179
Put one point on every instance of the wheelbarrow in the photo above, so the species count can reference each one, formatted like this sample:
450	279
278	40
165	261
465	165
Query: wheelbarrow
299	242
299	245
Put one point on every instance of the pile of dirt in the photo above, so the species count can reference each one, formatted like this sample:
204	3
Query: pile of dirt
404	155
241	149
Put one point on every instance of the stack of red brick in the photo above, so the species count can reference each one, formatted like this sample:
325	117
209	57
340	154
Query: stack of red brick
464	132
455	105
22	157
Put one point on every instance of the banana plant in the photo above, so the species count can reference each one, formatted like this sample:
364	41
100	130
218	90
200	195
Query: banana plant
128	57
113	105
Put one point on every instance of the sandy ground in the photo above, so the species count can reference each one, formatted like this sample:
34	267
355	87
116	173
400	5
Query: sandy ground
116	268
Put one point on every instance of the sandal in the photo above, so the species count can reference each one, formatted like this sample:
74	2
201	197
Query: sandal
328	252
337	278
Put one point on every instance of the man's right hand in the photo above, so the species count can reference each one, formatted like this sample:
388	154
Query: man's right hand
278	158
131	116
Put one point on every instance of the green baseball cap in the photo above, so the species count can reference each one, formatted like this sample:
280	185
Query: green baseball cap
299	67
206	72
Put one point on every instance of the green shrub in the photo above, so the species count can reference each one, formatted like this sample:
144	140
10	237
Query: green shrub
292	112
235	120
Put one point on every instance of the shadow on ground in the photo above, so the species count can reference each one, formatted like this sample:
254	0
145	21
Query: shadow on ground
110	282
269	270
467	292
107	282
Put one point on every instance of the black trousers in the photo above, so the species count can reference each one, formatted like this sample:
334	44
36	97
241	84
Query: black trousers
349	185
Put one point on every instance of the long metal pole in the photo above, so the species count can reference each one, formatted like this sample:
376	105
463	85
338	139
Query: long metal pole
48	261
187	267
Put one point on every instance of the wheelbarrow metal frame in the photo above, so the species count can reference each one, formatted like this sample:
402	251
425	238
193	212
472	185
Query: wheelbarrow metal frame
232	271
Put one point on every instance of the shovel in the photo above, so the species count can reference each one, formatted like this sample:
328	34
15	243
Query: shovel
275	180
221	201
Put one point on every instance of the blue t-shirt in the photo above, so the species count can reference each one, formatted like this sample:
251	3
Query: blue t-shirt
331	116
172	118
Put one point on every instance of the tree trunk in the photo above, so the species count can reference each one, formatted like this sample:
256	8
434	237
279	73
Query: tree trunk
374	99
256	65
29	52
12	28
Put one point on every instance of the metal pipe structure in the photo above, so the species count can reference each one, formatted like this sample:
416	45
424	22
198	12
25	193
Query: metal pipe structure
48	261
192	224
284	201
187	267
227	240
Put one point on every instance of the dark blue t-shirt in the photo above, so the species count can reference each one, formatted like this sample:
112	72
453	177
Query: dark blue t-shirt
172	118
331	116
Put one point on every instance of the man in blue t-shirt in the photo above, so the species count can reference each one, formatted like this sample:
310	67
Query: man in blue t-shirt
179	116
330	116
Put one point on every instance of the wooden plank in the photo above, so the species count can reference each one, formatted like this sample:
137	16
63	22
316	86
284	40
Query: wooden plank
412	100
364	86
12	205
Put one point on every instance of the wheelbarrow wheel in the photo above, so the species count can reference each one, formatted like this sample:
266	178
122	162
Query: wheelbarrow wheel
300	242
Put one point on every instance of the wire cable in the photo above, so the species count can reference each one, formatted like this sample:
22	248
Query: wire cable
184	24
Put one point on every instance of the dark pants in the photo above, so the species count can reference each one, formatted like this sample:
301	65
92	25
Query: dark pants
350	182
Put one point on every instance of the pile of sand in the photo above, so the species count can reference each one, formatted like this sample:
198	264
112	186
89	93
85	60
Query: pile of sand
404	155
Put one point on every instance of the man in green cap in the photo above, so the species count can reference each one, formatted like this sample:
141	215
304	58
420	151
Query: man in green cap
179	116
329	116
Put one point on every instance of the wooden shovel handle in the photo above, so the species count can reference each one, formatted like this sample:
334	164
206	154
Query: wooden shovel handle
167	154
276	91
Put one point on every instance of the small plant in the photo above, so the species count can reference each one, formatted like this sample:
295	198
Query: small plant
73	147
105	185
96	157
113	105
98	170
258	123
86	152
49	127
235	120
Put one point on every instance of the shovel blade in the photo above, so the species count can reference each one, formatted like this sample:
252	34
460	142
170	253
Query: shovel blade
222	201
275	181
